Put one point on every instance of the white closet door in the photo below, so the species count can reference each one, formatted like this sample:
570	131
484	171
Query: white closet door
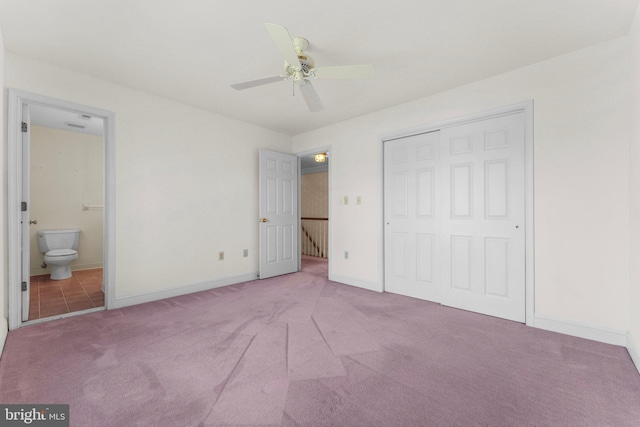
483	235
411	197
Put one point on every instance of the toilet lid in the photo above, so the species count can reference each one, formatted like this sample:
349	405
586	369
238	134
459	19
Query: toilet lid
61	252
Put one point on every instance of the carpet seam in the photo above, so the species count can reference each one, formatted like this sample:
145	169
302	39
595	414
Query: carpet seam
226	381
323	338
286	352
315	306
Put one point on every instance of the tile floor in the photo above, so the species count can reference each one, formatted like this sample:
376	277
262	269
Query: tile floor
52	297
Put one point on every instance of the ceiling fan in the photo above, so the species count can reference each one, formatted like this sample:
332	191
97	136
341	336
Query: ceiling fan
300	67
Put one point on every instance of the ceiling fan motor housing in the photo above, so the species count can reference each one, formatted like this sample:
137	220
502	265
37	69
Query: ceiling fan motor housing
306	61
300	44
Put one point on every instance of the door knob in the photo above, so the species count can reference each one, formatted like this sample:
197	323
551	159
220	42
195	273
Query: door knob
263	220
35	221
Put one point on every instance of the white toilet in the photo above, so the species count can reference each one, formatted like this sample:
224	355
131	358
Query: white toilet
60	248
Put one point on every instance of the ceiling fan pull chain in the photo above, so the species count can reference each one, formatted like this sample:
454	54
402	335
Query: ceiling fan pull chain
293	87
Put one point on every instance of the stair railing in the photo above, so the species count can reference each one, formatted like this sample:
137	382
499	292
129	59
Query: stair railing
315	236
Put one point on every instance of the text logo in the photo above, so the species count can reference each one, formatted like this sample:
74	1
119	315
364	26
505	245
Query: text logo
34	415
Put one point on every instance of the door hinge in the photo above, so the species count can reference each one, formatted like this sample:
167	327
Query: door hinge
23	207
24	286
25	127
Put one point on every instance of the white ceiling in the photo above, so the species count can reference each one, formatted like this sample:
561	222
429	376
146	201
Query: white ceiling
192	50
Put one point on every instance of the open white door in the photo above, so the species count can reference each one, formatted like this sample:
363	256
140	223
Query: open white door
24	226
278	206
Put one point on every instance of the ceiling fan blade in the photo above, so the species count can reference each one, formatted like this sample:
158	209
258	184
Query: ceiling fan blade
257	82
310	96
345	72
282	39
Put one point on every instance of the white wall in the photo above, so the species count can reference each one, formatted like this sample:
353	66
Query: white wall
67	173
634	297
581	178
186	180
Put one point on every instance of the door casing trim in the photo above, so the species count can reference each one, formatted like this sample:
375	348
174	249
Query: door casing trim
16	99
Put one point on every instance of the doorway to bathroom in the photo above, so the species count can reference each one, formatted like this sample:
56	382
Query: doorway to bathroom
60	181
66	192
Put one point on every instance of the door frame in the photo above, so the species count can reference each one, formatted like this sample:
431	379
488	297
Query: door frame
525	107
17	99
305	153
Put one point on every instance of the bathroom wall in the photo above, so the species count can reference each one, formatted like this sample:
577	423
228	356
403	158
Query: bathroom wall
67	173
186	182
581	150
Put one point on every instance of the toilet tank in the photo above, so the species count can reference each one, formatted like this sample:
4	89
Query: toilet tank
58	239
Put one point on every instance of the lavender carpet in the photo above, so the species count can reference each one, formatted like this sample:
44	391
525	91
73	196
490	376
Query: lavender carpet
299	350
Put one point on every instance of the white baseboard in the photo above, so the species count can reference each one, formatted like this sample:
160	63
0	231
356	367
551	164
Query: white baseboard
581	330
4	330
41	271
91	266
633	347
144	297
376	287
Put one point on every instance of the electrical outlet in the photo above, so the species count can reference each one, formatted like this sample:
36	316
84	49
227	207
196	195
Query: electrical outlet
220	256
346	254
245	253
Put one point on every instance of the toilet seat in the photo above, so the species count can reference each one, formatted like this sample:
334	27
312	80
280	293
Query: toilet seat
60	257
61	252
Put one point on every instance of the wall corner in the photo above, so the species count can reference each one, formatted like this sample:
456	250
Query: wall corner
633	347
